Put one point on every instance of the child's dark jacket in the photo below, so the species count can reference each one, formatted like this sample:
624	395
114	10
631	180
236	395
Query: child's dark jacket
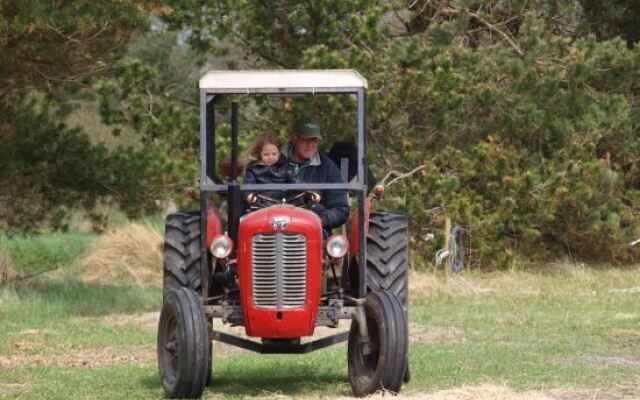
259	172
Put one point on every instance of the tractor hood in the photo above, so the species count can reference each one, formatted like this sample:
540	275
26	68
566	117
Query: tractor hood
279	269
280	217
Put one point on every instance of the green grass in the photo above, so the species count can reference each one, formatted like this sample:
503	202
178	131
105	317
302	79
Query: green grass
67	314
577	330
568	328
31	254
36	253
65	309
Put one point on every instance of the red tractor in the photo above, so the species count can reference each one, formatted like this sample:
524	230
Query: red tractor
272	270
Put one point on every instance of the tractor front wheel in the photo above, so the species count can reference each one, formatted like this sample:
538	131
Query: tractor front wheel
183	345
381	364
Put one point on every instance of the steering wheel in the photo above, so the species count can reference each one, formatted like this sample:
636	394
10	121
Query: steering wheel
303	199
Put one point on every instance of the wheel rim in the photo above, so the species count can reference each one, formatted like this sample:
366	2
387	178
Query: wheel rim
170	349
367	364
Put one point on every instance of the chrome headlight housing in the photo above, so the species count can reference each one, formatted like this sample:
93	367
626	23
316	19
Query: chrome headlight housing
337	246
221	246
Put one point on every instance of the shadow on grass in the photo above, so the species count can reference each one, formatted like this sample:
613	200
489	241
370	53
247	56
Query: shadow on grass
152	380
259	380
254	382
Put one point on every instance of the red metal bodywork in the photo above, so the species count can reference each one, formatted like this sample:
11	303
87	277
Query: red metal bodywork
354	234
214	224
269	322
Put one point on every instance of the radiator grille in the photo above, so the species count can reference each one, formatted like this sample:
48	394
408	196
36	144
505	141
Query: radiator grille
279	270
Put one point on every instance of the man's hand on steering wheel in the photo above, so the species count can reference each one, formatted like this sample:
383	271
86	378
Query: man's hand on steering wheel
257	200
315	197
303	199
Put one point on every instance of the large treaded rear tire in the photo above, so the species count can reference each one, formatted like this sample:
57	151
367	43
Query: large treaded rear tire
388	254
183	345
182	251
388	258
384	368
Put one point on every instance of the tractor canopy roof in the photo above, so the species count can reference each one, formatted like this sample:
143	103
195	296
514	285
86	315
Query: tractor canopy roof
283	81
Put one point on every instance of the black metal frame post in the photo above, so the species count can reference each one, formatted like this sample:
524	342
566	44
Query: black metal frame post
234	203
234	142
362	176
207	169
210	142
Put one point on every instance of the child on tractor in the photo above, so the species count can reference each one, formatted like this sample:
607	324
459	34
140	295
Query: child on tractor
268	165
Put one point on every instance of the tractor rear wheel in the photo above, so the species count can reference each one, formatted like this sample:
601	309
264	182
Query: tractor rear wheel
388	257
182	251
388	254
383	367
183	345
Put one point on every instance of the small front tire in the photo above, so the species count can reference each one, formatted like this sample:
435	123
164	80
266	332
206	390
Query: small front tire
183	345
384	367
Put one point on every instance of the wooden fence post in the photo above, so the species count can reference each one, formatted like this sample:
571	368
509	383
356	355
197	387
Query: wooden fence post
447	242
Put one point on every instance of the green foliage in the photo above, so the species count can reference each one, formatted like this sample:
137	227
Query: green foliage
524	113
47	170
50	52
527	125
47	44
609	19
151	90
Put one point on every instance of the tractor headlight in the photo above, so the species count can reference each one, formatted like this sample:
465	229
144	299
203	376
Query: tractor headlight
221	246
337	246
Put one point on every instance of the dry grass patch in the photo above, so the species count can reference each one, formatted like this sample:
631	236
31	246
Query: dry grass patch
613	361
429	284
623	332
147	321
85	358
551	278
486	392
14	389
131	254
430	334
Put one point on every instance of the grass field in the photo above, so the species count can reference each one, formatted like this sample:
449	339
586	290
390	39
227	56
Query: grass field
564	332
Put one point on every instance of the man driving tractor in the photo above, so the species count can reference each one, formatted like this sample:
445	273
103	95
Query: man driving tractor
301	162
310	166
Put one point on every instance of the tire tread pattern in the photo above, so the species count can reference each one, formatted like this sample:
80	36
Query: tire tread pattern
182	251
387	254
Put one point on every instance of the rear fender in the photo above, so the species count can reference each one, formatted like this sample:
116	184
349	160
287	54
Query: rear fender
214	224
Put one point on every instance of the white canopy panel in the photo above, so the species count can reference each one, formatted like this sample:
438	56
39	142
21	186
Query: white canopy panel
276	81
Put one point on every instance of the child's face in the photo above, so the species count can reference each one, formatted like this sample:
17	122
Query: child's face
269	154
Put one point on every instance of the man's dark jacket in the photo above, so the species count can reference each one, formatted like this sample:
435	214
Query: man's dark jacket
333	208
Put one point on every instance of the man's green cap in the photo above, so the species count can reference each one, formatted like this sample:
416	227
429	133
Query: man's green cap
307	129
